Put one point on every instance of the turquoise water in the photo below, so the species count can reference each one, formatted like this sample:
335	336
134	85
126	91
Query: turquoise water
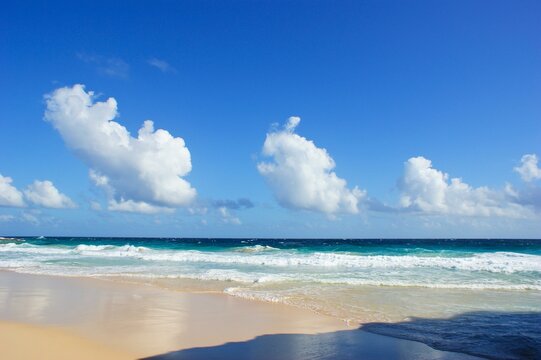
359	281
446	264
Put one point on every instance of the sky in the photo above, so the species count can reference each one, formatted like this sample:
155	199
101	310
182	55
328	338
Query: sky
341	119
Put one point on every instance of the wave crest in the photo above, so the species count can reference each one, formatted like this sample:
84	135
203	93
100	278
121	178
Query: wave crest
498	262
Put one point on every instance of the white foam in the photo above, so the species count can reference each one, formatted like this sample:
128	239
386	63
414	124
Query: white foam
256	249
9	239
499	262
288	280
261	296
33	249
434	285
112	251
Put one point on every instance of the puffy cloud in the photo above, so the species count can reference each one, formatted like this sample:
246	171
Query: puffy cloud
41	193
142	173
9	195
528	169
530	193
301	175
527	196
429	190
44	193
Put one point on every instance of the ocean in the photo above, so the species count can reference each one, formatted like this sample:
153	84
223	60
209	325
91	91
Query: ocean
417	289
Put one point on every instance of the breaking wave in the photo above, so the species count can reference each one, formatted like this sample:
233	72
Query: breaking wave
264	256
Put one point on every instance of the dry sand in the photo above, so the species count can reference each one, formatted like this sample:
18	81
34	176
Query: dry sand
22	341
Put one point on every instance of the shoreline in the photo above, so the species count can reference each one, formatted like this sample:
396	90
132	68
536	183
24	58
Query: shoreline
135	321
130	317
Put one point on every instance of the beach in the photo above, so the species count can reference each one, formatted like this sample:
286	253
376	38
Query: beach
67	317
175	298
24	341
147	320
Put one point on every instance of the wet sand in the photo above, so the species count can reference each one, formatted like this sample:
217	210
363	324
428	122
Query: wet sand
130	321
145	320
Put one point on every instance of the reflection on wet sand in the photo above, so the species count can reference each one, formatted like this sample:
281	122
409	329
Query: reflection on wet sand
144	319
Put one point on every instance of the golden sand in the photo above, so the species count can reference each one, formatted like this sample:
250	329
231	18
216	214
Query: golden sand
23	341
133	319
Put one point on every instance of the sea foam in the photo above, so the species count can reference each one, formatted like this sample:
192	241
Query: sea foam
496	262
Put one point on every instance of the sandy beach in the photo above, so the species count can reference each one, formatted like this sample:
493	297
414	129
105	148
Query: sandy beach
145	320
24	341
63	317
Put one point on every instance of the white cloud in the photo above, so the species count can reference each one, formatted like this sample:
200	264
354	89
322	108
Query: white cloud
9	195
430	190
528	169
527	196
301	175
227	217
136	207
198	209
41	193
44	193
162	65
140	173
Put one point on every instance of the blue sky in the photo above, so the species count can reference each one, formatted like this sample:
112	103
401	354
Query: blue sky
375	83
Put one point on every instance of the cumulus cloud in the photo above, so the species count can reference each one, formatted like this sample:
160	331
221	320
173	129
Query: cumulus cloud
143	173
44	193
530	193
528	169
301	174
40	193
9	195
527	196
426	189
161	65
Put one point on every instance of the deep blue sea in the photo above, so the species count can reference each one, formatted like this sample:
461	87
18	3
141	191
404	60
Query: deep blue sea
401	287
